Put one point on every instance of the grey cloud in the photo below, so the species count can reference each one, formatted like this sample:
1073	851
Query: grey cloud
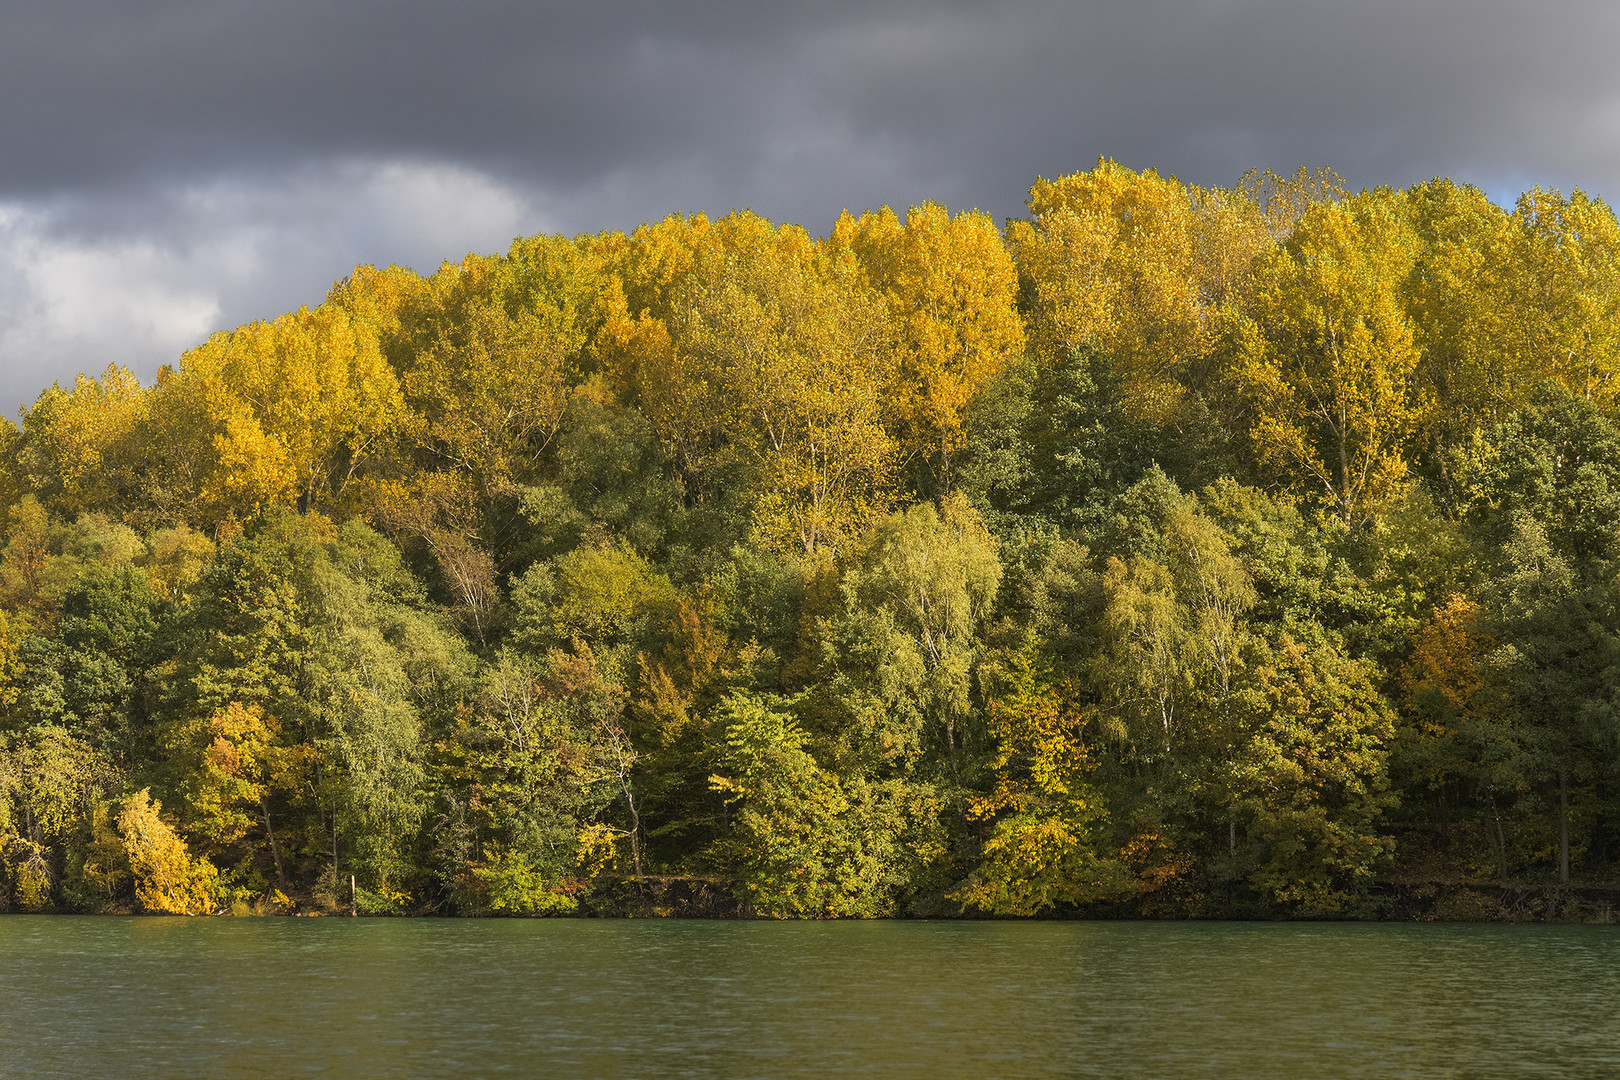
971	98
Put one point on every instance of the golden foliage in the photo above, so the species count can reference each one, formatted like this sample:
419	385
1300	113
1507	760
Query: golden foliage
82	445
292	408
167	879
1330	359
1113	260
1447	658
1044	848
758	358
950	288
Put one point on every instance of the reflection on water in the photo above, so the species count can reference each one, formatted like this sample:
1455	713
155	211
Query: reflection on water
374	998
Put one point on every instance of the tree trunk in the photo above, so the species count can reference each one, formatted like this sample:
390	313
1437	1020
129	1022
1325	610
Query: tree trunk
275	849
623	761
635	832
1445	819
1563	827
1600	832
335	874
1501	839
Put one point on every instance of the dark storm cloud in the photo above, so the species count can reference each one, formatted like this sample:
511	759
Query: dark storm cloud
973	97
568	92
215	161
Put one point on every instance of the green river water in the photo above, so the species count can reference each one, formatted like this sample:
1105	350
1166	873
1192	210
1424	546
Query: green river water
126	997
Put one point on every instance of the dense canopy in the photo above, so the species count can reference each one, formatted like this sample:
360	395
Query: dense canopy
1170	551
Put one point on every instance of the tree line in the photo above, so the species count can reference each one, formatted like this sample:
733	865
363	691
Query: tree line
1169	551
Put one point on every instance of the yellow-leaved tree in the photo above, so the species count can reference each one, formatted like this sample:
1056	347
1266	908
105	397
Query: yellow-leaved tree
763	364
1462	302
484	348
1048	844
1112	260
951	290
486	371
1328	356
1566	322
80	450
237	761
167	879
289	411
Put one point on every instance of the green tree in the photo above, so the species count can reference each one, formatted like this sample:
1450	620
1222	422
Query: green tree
915	597
1312	778
1049	841
519	785
805	844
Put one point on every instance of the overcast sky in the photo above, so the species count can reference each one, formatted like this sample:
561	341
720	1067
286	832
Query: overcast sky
174	167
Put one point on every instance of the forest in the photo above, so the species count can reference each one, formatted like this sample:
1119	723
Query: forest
1166	552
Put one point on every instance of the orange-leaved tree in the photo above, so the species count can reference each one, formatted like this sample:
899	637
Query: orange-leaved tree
951	290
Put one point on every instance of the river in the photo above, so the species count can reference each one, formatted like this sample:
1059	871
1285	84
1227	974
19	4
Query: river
152	997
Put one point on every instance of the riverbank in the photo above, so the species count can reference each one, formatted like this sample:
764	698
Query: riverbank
655	896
